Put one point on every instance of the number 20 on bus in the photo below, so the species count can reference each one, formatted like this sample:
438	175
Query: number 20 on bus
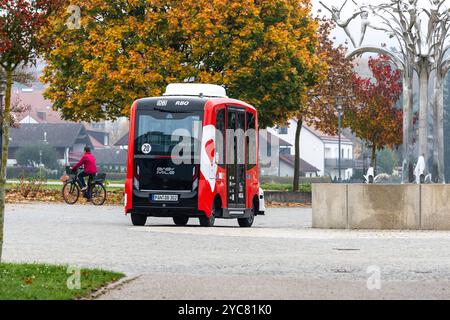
193	153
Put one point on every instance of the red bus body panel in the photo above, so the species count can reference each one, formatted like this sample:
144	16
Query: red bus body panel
213	178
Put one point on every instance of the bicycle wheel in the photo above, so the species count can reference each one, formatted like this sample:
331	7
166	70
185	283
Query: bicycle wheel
71	192
98	194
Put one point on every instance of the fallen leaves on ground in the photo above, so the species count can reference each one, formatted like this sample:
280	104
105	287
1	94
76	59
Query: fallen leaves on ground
287	205
114	198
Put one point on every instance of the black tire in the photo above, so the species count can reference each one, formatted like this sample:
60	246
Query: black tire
181	221
98	194
248	222
209	222
138	220
70	193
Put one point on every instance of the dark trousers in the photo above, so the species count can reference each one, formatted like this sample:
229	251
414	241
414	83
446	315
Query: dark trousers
81	177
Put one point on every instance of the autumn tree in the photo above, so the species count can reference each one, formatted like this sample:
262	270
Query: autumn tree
20	22
17	107
261	51
320	107
376	118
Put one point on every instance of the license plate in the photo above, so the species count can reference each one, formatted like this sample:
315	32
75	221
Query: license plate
165	198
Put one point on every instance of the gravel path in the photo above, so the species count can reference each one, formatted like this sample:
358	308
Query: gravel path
280	257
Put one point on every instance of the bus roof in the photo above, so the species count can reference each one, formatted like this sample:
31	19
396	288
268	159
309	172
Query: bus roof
195	103
196	90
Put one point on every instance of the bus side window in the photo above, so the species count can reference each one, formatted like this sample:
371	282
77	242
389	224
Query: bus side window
220	137
250	141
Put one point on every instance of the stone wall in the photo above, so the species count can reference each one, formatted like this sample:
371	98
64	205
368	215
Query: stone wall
288	197
381	207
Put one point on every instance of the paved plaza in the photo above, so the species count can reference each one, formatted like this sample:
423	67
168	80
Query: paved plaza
281	257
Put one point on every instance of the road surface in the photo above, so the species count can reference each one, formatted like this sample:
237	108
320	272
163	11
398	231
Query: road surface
281	257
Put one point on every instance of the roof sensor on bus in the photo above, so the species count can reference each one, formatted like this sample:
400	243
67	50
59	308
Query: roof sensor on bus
196	90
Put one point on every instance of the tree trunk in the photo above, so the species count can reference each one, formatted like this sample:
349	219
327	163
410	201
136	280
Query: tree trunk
408	147
373	162
296	186
423	112
5	125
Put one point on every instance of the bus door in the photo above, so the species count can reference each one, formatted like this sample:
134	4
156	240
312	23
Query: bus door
236	157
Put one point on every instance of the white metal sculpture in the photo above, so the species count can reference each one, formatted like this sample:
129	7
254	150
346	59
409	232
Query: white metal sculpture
419	172
421	29
343	23
370	177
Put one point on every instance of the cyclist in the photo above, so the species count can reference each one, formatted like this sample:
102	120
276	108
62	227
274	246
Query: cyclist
90	167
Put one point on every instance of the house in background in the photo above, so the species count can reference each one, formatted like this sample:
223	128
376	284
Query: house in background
287	165
68	139
319	149
122	142
99	139
111	159
283	164
40	111
116	129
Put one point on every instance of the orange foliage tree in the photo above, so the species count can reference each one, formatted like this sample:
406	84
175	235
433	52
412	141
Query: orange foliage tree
263	52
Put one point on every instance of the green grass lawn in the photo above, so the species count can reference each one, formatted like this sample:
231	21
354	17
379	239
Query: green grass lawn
284	187
45	282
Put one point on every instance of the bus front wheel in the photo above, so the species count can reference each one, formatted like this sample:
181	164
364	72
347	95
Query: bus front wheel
138	220
209	222
181	221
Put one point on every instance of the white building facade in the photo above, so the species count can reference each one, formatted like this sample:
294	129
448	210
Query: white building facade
319	149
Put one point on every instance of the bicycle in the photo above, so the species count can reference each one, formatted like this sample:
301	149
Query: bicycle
96	192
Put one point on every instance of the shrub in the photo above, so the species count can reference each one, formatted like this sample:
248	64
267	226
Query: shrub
31	186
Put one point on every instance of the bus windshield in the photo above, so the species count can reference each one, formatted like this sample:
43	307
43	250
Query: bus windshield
159	131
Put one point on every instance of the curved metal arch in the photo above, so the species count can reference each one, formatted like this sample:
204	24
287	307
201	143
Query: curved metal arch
369	49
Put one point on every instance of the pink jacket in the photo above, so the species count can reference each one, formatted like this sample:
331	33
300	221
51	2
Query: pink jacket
88	160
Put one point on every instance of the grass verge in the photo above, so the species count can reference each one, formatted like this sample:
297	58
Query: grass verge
47	282
284	187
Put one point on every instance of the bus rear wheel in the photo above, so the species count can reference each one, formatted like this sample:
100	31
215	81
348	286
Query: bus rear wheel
248	222
181	221
138	220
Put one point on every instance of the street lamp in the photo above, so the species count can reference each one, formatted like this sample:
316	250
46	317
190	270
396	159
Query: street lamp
339	107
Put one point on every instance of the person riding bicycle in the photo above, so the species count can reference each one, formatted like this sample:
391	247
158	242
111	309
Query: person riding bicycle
90	167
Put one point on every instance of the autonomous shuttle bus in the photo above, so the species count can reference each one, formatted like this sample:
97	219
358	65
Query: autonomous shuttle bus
193	154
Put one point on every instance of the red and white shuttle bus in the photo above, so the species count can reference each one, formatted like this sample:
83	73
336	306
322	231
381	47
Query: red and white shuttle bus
193	153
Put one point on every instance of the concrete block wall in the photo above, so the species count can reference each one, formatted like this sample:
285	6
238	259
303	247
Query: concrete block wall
288	197
335	206
381	207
